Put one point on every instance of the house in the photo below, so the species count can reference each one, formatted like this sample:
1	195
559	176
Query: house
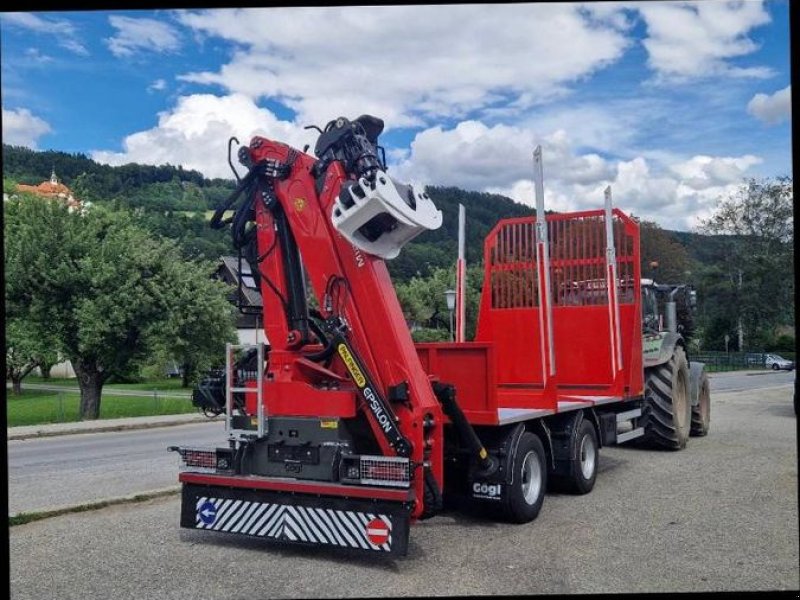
249	320
53	189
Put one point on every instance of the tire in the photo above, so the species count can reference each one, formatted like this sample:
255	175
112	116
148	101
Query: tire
583	471
525	494
211	413
775	366
667	409
701	414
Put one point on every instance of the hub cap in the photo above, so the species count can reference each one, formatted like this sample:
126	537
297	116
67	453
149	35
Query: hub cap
531	478
588	456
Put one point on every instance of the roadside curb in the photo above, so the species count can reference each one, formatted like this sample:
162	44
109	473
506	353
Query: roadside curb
56	429
769	372
22	518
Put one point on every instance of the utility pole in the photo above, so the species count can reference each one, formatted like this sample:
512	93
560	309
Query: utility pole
741	329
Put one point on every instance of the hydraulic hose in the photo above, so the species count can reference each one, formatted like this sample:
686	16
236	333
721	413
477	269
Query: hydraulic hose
446	394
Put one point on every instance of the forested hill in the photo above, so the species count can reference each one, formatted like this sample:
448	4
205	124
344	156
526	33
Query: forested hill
168	188
163	187
172	189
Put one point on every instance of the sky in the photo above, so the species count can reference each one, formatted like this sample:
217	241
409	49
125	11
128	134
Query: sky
672	104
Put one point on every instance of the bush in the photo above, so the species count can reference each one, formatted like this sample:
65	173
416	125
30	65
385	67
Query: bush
428	334
783	343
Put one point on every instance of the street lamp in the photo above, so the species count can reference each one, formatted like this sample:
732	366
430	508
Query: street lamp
450	297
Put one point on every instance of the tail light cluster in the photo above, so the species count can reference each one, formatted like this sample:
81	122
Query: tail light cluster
388	471
205	459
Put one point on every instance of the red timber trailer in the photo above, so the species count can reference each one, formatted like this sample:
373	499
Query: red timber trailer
341	431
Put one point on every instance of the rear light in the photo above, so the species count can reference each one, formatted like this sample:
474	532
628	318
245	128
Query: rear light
388	471
205	459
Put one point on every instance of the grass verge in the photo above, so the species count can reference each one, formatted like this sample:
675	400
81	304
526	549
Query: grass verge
23	518
36	407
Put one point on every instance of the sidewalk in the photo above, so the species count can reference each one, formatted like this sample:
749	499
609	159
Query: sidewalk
51	429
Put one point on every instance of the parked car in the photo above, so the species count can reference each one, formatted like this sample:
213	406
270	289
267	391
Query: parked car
776	362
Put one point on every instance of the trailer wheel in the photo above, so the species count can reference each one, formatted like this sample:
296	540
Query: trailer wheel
701	414
525	494
583	470
667	409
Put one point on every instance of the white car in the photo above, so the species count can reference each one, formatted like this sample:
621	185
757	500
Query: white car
776	362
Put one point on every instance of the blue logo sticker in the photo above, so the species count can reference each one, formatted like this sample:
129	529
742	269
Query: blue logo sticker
208	513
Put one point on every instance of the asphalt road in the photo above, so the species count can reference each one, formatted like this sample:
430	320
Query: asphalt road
51	472
720	515
748	380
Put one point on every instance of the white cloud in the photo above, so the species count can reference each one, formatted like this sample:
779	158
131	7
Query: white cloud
772	108
22	128
698	38
65	32
158	85
195	134
474	156
702	172
136	35
673	191
407	64
37	57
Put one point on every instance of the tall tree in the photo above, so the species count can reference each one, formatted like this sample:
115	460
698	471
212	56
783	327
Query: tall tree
200	319
755	225
664	259
102	285
425	308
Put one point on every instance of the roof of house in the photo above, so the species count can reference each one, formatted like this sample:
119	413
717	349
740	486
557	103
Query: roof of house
228	269
51	188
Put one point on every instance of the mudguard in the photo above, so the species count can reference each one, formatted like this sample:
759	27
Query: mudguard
695	373
658	348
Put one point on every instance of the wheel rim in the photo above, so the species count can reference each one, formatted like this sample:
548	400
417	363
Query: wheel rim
531	477
588	455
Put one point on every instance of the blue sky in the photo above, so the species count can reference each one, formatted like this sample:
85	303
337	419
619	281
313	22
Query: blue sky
671	103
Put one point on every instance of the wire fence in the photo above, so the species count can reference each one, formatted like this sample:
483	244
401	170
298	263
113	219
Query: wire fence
736	361
46	404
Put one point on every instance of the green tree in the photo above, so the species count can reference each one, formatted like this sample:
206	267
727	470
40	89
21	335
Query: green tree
102	285
663	258
27	347
201	319
425	307
752	286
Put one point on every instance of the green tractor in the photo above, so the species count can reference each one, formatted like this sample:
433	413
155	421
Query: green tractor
677	393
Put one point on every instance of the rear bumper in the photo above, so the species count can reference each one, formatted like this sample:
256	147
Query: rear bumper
296	517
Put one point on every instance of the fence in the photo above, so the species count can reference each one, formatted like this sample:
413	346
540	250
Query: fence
735	361
51	404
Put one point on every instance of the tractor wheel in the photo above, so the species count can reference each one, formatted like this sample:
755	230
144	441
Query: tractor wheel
583	472
525	494
667	408
701	414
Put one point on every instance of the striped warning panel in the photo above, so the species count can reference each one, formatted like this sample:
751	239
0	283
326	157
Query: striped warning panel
346	528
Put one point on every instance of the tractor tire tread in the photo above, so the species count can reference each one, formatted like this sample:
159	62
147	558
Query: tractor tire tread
658	418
